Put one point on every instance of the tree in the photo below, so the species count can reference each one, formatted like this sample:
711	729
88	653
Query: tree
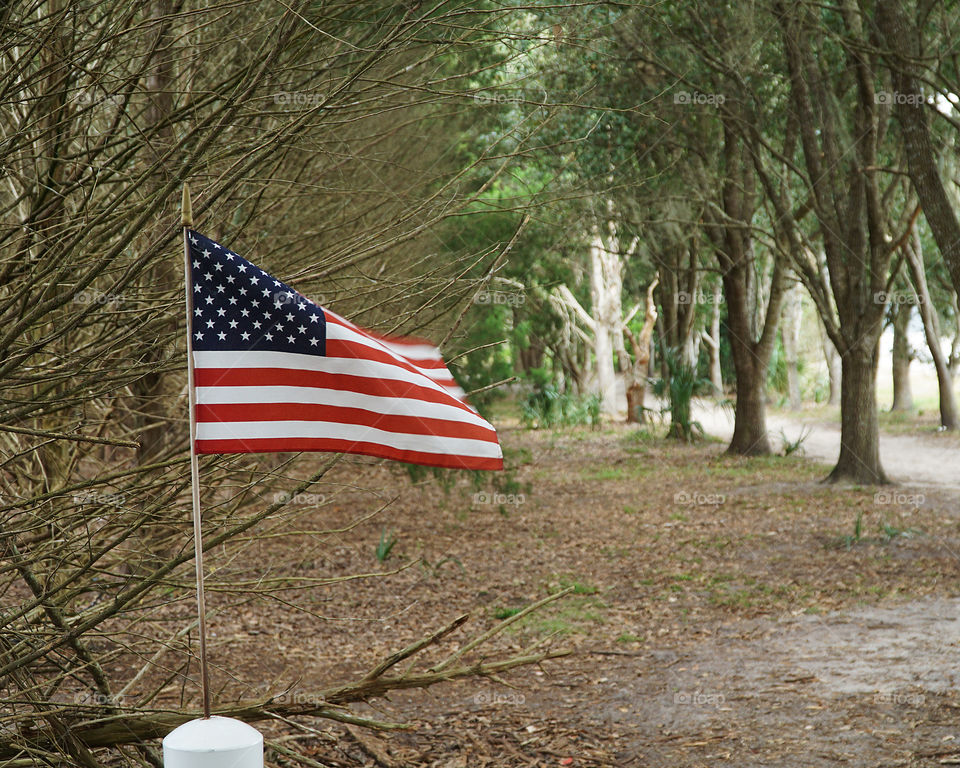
844	140
903	42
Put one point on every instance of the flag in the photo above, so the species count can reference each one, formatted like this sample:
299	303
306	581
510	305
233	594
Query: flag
273	371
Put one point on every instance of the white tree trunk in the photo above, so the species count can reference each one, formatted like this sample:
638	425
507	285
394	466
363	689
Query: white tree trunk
606	292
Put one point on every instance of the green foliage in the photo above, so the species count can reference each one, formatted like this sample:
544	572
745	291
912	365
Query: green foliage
680	387
792	446
385	547
546	406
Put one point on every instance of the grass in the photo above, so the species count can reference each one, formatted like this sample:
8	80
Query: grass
579	614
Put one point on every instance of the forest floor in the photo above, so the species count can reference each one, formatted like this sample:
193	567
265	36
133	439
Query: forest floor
724	611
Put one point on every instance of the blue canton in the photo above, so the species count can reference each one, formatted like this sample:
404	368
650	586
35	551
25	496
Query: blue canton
239	307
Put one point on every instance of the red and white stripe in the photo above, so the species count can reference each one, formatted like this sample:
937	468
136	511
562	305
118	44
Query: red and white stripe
387	397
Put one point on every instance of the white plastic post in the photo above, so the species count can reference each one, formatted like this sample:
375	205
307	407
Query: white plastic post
214	742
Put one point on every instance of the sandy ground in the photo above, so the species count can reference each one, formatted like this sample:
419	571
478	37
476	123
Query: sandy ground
909	460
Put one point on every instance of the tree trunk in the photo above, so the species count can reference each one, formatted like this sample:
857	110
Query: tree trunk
902	37
859	459
790	334
636	375
833	364
902	357
931	329
750	361
750	415
712	341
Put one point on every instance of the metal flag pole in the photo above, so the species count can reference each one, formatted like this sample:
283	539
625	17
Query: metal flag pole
186	221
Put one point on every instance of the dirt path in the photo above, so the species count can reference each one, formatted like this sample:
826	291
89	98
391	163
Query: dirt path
912	460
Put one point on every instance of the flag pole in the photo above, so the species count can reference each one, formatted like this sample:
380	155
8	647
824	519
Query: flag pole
186	221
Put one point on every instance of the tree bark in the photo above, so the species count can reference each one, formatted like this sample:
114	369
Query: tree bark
833	364
901	358
790	334
750	415
712	340
931	329
636	375
859	459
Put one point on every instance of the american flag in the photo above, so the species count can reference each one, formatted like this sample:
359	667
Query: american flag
274	371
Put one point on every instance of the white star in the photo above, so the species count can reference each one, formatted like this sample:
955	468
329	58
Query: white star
313	318
196	289
208	276
209	323
217	246
244	312
209	299
220	289
314	342
256	324
279	327
198	311
301	305
290	339
265	292
221	336
244	335
302	329
193	239
198	335
242	291
233	323
275	282
289	317
218	267
233	299
230	278
254	280
269	337
206	253
267	315
242	267
255	303
221	312
196	265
